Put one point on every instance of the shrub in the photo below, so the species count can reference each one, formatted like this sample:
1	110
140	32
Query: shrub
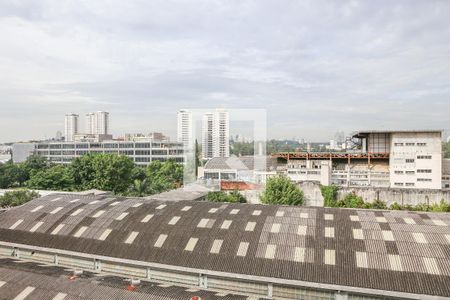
16	198
329	194
221	196
351	201
281	190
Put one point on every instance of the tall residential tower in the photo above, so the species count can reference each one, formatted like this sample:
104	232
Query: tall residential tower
216	134
97	122
185	129
70	126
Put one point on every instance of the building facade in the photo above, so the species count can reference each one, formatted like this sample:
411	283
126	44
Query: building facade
389	159
70	126
142	153
216	134
97	122
185	132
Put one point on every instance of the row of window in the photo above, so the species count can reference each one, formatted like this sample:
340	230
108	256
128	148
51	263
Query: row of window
410	144
109	145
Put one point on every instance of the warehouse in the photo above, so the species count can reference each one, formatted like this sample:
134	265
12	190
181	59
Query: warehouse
274	252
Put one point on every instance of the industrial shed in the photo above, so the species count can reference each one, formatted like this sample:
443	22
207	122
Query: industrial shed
254	250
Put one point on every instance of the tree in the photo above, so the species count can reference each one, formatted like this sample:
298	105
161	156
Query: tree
112	172
33	164
164	176
329	194
16	198
57	177
140	188
281	190
221	196
11	175
236	197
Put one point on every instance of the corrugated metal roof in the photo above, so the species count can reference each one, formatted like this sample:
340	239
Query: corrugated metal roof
392	250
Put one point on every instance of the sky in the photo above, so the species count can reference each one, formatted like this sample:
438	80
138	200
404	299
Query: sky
317	67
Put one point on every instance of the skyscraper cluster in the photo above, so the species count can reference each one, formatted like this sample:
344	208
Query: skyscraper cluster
97	123
215	132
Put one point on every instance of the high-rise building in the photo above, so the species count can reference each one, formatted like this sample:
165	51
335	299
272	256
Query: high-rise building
70	126
97	122
185	129
216	134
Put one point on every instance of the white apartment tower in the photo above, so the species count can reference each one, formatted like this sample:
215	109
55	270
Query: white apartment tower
97	122
216	134
70	126
185	129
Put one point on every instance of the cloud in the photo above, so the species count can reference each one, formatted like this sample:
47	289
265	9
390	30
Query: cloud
316	66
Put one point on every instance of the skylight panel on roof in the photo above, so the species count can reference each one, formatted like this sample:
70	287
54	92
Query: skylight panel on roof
203	223
387	235
130	239
174	220
381	219
447	236
279	213
330	257
56	210
122	216
439	222
358	234
242	250
299	254
250	226
256	213
105	234
226	224
354	218
80	231
13	226
191	244
329	232
37	208
419	237
213	210
186	208
57	229
361	260
137	205
217	244
146	218
161	206
114	203
60	296
234	211
93	202
56	199
270	251
160	241
301	230
304	215
409	221
275	228
98	214
74	200
36	226
75	213
328	217
395	262
431	265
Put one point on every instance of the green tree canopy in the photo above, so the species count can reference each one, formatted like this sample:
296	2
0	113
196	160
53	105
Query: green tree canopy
16	198
281	190
57	177
221	196
11	175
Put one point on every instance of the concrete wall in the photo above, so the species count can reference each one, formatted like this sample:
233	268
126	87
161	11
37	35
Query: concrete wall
313	196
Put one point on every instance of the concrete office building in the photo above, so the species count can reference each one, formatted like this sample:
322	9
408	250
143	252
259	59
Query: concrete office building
142	152
223	249
395	159
185	132
97	123
70	126
216	134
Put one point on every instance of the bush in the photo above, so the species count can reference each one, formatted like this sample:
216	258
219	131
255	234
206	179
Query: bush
16	198
221	196
281	190
329	194
351	201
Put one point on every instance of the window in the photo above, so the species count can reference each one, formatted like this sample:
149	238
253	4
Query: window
398	184
424	171
410	184
410	172
410	144
398	144
409	160
421	144
424	179
424	157
398	172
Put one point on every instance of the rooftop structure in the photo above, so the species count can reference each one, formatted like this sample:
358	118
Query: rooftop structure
255	250
410	159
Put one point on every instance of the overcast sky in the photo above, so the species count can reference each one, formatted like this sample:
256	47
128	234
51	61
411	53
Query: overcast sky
316	66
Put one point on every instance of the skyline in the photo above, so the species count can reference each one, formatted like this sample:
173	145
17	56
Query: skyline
316	66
